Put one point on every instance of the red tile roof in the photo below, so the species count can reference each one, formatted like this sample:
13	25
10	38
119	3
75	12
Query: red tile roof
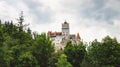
53	34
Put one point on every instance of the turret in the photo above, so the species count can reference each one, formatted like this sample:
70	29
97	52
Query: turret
78	36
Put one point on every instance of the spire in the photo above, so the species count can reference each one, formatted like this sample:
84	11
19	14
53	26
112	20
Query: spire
78	36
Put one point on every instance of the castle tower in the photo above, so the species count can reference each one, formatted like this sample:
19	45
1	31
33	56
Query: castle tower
65	30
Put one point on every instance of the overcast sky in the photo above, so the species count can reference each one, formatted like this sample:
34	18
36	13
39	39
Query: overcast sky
91	18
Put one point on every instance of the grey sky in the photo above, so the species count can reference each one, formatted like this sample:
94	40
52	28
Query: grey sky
91	18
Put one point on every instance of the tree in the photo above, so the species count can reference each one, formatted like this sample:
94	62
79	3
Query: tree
0	23
92	52
20	22
27	60
105	53
29	31
75	53
2	54
54	58
62	61
15	46
43	50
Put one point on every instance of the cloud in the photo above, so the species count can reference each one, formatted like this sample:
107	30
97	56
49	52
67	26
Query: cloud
7	12
91	18
100	11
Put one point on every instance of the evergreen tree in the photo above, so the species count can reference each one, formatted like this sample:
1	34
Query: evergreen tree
20	22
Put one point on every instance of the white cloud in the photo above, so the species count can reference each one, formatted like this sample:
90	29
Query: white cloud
85	16
7	12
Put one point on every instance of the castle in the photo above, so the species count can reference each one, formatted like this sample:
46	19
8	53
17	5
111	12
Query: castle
61	38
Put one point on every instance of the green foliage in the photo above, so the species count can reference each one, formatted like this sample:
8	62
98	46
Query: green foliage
27	60
105	53
54	58
43	49
62	61
75	53
19	49
15	46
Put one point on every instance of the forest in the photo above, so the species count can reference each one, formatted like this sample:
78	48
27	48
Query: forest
20	47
